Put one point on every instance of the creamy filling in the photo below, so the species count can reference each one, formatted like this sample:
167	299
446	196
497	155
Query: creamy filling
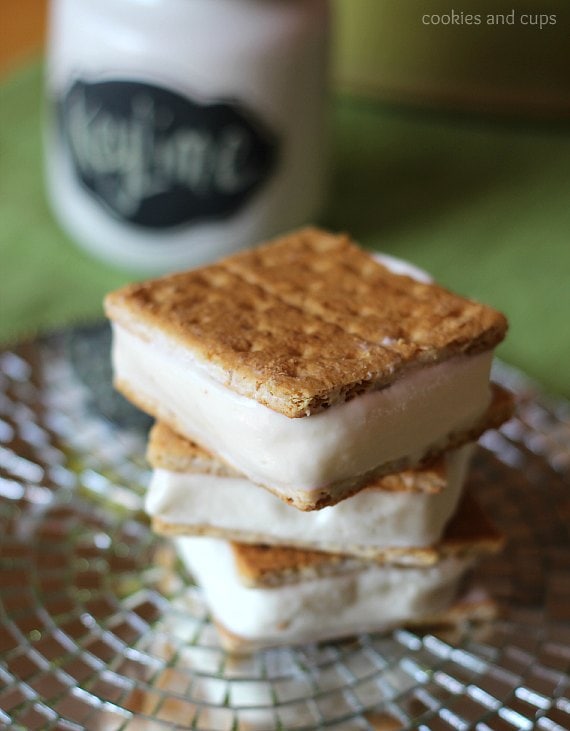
370	599
350	439
372	519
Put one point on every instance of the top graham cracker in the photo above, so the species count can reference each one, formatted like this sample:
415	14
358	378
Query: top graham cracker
307	321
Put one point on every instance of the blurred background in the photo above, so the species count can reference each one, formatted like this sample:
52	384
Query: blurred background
449	145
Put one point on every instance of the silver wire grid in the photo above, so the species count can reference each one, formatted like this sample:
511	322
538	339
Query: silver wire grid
101	629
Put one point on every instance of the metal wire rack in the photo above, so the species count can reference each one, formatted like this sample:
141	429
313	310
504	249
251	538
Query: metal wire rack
101	629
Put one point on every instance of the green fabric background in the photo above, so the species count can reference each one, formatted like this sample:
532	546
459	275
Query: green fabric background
482	204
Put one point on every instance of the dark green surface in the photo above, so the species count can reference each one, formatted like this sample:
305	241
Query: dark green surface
484	206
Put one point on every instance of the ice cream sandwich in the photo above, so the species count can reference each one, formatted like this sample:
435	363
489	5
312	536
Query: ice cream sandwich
305	364
192	492
261	596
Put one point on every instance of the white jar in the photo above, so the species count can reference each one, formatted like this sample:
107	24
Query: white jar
183	130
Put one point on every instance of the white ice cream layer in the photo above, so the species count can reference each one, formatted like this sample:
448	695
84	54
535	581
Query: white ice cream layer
339	444
370	599
372	519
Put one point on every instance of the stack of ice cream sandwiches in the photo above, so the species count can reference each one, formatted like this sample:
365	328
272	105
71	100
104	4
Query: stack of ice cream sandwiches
316	410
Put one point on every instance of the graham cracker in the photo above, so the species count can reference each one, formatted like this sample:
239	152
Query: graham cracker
306	321
168	450
500	409
330	277
469	533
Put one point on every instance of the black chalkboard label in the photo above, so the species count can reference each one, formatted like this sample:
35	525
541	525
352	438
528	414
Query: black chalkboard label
157	159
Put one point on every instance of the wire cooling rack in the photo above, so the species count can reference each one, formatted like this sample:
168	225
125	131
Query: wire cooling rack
101	629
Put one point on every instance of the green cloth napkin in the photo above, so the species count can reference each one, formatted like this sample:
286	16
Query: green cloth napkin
483	205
